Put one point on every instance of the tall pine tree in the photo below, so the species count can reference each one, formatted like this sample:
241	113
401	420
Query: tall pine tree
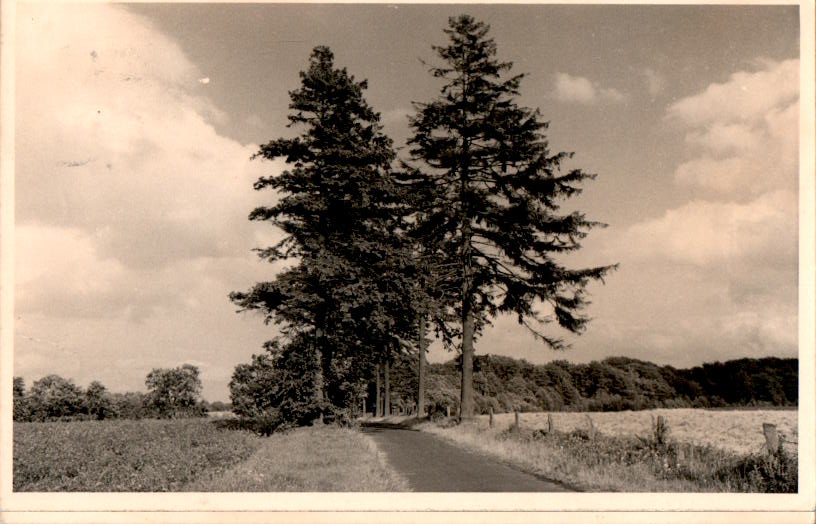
495	191
339	210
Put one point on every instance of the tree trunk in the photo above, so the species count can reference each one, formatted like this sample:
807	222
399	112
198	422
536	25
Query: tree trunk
387	409
319	379
378	405
423	345
466	403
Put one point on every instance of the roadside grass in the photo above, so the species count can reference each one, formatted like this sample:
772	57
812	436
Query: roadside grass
624	464
318	458
123	455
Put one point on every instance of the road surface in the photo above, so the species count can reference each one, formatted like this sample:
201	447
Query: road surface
431	465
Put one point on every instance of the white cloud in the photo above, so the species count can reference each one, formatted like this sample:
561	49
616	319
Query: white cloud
745	97
746	158
568	88
714	233
131	209
722	266
119	144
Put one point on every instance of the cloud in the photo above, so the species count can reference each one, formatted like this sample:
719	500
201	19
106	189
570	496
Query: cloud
745	144
577	89
719	272
745	97
135	164
131	209
715	233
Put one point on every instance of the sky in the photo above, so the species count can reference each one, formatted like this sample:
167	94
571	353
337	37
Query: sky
135	125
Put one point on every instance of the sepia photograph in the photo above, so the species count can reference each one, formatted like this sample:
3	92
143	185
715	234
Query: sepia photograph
447	258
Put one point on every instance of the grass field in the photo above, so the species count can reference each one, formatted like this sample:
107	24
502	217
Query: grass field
737	431
705	451
193	455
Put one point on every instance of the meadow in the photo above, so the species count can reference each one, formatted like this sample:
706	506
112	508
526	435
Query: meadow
701	451
192	455
736	431
123	455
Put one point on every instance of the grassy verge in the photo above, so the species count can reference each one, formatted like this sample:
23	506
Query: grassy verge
123	455
607	463
320	458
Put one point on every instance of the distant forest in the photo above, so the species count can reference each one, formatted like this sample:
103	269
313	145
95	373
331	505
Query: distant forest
613	384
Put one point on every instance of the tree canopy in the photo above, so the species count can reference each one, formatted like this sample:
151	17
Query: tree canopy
174	392
493	194
343	301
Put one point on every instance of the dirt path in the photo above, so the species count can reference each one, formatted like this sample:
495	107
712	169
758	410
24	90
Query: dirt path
431	464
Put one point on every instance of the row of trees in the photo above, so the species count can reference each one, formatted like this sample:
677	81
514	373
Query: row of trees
613	384
171	393
466	228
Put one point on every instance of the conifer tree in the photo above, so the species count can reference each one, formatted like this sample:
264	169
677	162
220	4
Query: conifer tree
495	190
340	212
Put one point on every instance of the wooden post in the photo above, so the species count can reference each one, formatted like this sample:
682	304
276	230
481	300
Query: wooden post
447	411
423	346
378	405
550	425
771	438
387	407
591	431
491	416
661	428
517	426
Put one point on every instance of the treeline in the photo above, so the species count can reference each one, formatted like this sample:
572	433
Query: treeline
171	393
613	384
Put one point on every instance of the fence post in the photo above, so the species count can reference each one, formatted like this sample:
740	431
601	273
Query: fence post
661	428
517	426
447	411
591	432
771	438
491	416
550	425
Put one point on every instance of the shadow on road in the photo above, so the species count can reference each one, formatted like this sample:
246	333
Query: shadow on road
386	424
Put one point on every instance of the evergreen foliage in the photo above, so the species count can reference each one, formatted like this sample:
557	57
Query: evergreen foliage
345	302
493	190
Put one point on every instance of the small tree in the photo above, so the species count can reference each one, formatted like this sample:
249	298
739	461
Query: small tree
21	408
494	191
98	402
254	387
55	397
174	392
130	405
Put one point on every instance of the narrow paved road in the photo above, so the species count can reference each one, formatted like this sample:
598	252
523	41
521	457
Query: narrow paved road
431	464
